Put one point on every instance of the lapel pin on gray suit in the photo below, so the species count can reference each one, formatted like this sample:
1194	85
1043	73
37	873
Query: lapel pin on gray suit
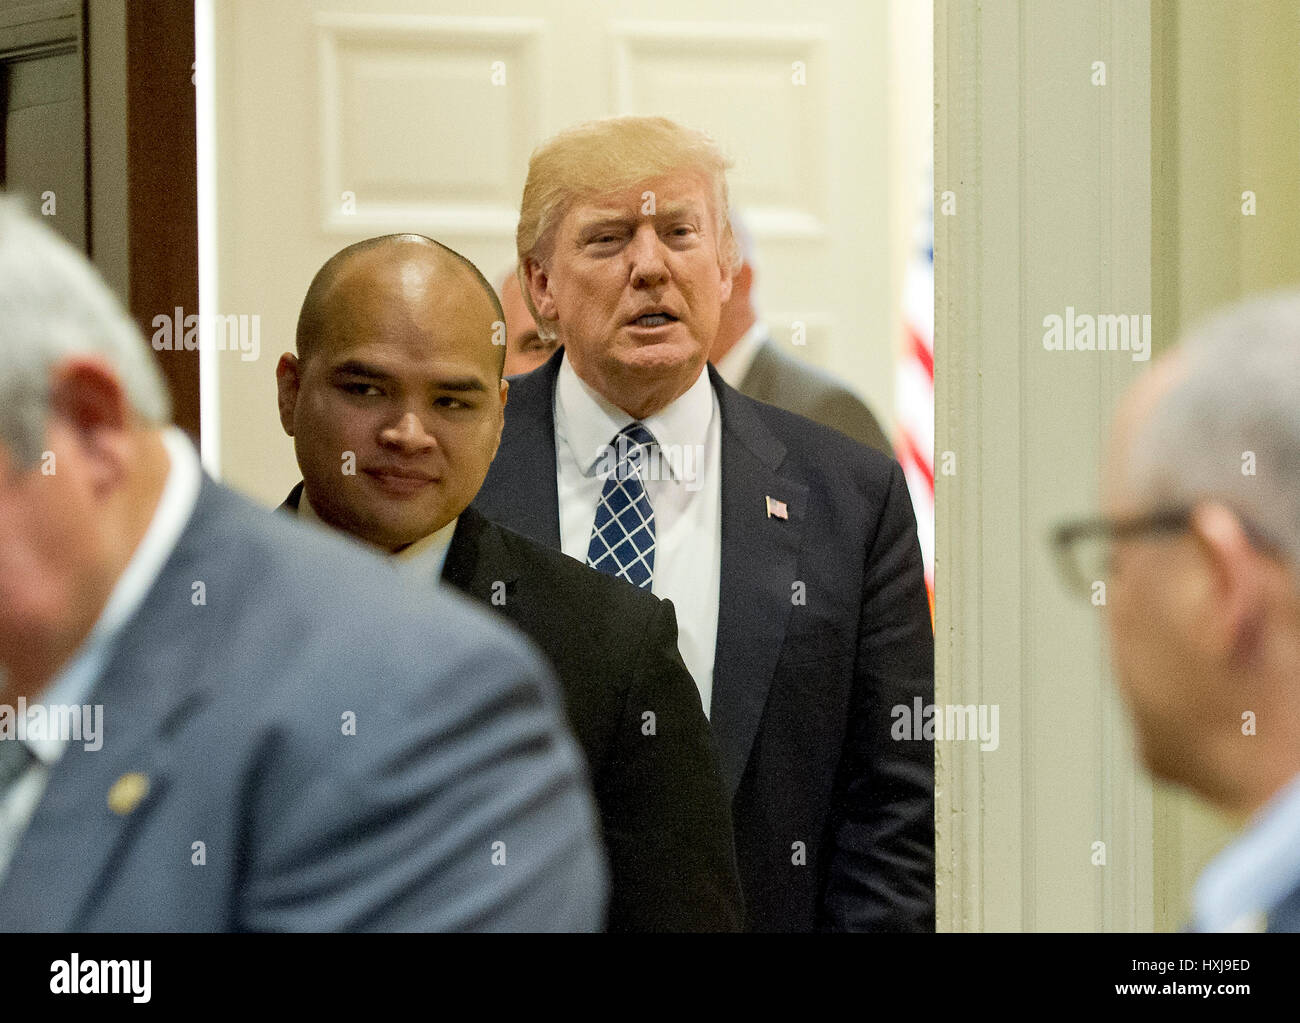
128	792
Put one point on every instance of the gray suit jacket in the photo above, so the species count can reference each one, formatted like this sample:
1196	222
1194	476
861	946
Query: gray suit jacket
1285	917
460	803
787	383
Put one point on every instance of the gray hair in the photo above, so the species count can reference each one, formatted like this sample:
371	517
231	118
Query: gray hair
1228	428
52	305
744	239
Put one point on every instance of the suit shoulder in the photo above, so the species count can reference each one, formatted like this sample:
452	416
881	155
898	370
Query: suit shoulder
572	582
812	444
813	383
274	579
819	395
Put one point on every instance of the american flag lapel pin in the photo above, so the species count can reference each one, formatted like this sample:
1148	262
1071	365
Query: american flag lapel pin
777	509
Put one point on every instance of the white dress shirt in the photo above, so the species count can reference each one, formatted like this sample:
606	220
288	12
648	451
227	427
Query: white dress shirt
1256	872
422	561
734	366
683	480
76	680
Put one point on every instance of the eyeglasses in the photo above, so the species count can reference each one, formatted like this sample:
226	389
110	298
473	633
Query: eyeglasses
1085	549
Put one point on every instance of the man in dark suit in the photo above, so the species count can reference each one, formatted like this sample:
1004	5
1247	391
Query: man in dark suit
749	360
225	722
789	550
396	367
1198	552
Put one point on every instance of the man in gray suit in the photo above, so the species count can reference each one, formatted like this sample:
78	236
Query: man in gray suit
746	357
1198	551
202	727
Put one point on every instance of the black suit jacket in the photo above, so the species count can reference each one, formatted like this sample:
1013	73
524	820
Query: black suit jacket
662	804
823	629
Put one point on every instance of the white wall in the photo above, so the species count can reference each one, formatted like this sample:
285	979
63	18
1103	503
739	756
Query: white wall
1052	179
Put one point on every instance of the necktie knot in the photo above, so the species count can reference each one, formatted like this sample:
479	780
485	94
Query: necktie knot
630	447
623	533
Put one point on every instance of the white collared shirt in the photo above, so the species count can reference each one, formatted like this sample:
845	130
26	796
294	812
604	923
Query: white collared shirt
1256	872
421	561
76	680
684	486
734	366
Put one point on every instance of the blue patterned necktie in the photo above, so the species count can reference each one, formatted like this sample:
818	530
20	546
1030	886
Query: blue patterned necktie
623	535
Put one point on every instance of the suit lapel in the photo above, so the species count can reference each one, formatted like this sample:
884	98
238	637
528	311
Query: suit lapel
92	802
520	491
150	686
477	560
760	553
760	558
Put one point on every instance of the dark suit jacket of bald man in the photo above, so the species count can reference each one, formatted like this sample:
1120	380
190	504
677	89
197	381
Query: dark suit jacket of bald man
823	634
658	788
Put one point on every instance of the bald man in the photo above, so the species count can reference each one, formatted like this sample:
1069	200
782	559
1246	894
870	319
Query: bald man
1198	550
395	400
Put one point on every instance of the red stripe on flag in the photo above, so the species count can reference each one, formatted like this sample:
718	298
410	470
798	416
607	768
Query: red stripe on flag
914	455
921	353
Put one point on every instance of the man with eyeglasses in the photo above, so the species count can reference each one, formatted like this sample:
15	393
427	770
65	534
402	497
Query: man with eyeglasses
1197	551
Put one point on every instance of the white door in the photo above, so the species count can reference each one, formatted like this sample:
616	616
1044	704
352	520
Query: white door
336	120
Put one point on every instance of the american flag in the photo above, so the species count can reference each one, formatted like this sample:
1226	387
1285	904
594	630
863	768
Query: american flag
914	393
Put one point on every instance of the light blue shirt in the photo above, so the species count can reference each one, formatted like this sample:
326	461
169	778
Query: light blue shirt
73	684
1256	872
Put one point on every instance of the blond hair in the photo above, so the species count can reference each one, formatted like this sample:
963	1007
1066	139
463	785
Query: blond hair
608	155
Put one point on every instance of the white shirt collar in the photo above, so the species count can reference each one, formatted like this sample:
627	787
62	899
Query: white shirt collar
423	559
587	422
73	684
309	514
1256	871
734	366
